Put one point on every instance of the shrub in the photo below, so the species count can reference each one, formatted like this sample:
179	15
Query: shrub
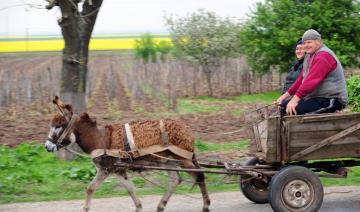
353	88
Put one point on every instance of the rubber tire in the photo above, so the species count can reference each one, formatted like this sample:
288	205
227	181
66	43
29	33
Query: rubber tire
250	190
291	173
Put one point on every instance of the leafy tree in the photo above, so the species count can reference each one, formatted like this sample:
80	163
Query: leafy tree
204	39
268	38
145	48
164	48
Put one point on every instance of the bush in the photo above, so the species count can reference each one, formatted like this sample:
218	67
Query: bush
353	88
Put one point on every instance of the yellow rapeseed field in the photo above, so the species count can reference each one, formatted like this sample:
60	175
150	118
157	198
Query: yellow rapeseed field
57	44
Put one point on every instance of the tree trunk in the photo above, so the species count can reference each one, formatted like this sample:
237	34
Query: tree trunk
76	29
208	74
195	71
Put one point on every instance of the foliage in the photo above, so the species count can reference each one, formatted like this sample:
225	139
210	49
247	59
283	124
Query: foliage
164	47
353	88
204	39
145	48
268	38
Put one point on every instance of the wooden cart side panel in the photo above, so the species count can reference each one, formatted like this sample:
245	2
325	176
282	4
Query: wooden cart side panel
331	151
270	142
317	128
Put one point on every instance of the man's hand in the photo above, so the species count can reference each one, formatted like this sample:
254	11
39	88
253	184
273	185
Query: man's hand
281	98
291	106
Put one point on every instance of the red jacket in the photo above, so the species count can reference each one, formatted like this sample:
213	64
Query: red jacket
320	66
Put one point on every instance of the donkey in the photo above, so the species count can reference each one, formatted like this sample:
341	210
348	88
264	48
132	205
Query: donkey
67	128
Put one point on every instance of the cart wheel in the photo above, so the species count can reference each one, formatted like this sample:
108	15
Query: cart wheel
295	188
255	190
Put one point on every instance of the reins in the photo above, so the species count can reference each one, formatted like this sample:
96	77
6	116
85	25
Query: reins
69	128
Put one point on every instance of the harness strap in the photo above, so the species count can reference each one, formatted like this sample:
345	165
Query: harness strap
69	128
164	135
130	137
142	152
126	142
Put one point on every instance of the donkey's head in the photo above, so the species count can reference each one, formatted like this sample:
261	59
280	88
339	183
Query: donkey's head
62	126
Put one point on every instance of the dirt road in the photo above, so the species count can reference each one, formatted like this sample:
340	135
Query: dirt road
336	199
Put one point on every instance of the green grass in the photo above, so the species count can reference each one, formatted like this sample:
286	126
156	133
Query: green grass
206	147
29	173
205	104
186	106
352	179
267	97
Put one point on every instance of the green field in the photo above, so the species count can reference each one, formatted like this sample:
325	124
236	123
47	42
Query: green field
56	43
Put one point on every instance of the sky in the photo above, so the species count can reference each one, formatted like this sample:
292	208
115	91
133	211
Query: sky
115	16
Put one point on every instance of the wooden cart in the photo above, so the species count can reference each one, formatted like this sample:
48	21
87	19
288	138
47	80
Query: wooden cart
297	147
290	153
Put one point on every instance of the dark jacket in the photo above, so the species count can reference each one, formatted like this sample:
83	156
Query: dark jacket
293	74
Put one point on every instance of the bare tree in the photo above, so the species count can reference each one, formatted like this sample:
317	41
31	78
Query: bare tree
76	27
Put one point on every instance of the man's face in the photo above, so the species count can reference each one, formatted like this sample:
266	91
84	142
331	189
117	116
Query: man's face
311	46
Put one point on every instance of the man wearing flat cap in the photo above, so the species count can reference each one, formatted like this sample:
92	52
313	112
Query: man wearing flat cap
321	85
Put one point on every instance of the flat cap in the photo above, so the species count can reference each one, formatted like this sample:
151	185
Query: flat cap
311	34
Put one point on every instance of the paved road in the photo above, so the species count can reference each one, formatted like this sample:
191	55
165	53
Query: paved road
336	199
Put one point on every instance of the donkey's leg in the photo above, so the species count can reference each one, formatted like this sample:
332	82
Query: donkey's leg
101	175
200	180
174	180
129	186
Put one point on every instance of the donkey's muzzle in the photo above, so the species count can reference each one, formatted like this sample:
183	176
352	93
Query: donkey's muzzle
50	147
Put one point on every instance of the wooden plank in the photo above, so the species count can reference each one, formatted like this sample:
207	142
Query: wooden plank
278	139
271	141
303	143
321	117
332	116
288	141
257	138
323	126
325	142
331	152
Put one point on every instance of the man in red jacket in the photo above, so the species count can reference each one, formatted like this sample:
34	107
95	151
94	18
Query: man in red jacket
321	83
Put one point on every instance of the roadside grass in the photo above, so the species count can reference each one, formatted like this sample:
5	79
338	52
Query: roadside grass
30	174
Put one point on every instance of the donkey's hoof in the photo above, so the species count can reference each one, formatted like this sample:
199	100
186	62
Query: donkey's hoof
85	209
205	210
159	209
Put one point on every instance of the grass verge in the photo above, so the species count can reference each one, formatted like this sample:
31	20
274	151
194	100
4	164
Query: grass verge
30	174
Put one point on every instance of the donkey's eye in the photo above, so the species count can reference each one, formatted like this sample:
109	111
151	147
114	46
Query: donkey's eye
57	127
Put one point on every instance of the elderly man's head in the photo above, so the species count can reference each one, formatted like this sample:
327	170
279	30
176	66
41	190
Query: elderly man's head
312	41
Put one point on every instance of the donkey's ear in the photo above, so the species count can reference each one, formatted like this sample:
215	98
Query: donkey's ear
85	116
69	108
58	102
56	98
